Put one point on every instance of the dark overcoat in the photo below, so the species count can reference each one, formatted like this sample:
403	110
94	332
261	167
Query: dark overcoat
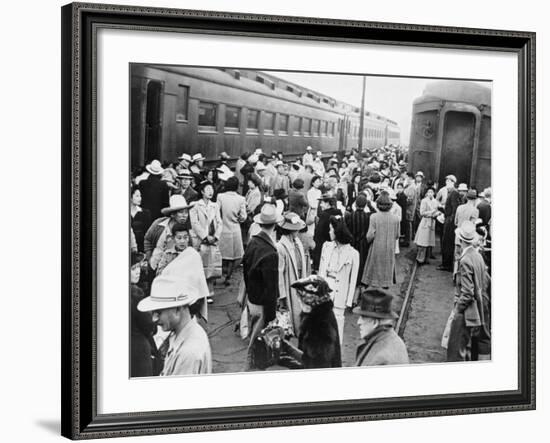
154	195
261	274
448	239
142	344
358	224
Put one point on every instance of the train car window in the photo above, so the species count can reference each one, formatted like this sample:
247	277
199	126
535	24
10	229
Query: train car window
253	118
315	129
269	122
324	128
332	128
295	124
283	123
207	115
306	126
232	118
182	105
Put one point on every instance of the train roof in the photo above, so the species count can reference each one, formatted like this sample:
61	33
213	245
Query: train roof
268	84
457	91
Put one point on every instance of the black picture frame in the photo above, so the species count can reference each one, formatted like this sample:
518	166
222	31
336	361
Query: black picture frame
79	210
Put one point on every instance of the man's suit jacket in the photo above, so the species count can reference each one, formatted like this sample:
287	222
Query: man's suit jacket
261	274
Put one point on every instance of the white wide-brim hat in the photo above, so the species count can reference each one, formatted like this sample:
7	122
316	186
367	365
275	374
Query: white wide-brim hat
177	203
198	157
466	232
268	215
154	168
292	222
169	292
186	157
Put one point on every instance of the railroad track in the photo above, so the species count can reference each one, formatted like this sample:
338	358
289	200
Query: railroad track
405	307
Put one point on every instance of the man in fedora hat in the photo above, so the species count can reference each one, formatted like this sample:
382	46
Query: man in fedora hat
261	276
159	236
281	180
381	344
188	347
185	161
465	212
154	191
184	186
197	168
469	325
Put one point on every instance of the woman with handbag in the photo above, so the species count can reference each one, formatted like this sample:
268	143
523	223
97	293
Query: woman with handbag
206	225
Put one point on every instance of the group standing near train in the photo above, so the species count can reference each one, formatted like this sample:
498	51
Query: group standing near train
301	235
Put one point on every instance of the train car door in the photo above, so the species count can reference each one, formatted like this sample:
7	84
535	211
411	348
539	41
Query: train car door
153	121
457	146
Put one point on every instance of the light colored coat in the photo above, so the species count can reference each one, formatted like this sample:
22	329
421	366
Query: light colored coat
200	216
380	267
288	274
233	212
344	275
382	347
425	234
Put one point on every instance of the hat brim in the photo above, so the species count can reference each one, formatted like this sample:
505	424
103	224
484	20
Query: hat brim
291	226
166	211
152	171
258	219
382	315
458	234
148	305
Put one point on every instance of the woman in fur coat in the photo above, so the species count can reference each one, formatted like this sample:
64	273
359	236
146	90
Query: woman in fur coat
318	338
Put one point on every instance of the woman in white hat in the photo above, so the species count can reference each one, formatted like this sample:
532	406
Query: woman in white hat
292	265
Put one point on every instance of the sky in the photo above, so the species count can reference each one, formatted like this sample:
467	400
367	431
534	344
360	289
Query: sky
391	97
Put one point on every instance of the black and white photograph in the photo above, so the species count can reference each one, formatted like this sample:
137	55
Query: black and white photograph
285	220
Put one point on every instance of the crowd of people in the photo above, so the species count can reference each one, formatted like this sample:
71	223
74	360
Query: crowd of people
315	237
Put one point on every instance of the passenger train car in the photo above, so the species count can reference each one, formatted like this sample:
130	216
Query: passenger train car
451	133
178	109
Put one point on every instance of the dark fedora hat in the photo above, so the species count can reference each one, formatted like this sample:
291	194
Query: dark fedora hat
375	303
472	194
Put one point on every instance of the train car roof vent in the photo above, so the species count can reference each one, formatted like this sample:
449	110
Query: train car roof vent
237	75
